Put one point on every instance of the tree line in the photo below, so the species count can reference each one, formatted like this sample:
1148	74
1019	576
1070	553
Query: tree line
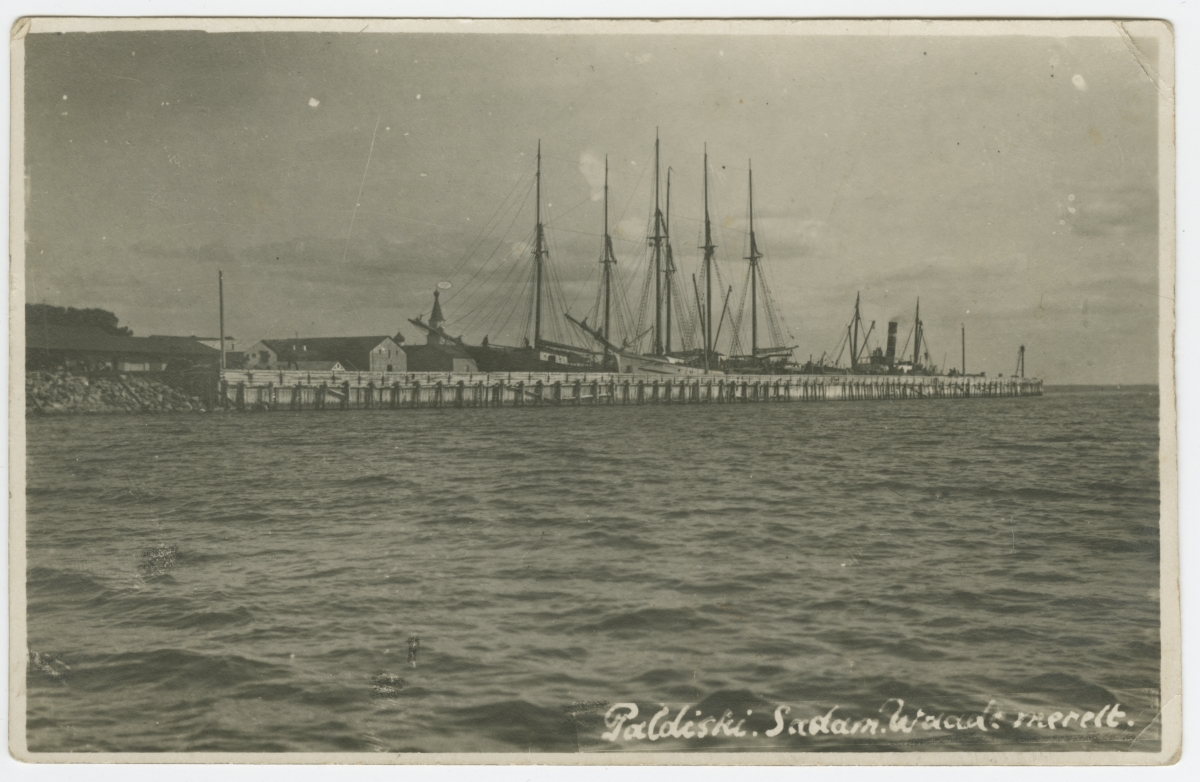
91	317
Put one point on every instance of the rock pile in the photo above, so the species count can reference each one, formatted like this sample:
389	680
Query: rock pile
60	393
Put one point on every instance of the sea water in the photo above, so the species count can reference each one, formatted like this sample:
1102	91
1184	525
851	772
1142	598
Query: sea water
520	580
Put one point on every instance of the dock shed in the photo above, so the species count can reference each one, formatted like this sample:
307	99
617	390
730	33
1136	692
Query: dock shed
91	350
355	354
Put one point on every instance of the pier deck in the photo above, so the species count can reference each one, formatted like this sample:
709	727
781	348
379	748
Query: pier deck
268	390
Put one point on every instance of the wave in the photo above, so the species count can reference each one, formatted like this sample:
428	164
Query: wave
640	621
379	479
812	560
170	669
1061	685
46	581
515	724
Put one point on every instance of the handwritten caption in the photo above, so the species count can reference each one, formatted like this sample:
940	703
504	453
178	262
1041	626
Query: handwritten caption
626	722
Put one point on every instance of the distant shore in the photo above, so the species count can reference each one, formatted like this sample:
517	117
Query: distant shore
1080	387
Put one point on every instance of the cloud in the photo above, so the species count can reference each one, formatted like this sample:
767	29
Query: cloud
212	251
592	168
1121	212
313	261
632	229
887	174
783	235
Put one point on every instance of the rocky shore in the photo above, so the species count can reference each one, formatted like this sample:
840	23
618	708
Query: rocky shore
59	393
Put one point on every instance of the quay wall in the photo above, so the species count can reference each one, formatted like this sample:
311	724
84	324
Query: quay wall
269	390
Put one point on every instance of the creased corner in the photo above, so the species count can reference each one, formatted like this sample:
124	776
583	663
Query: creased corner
1165	90
20	29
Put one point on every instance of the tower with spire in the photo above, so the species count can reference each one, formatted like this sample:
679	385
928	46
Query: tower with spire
436	319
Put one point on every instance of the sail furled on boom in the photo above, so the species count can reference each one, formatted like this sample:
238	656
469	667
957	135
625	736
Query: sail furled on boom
666	322
516	294
608	259
679	310
656	241
767	332
611	311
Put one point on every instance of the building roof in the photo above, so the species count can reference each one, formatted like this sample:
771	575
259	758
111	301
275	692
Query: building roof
85	340
353	353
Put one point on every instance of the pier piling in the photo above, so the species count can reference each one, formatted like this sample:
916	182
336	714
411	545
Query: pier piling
291	390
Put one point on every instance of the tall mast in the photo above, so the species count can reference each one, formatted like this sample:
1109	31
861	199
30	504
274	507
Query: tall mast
854	339
608	259
708	248
917	333
753	258
656	240
539	253
964	348
669	268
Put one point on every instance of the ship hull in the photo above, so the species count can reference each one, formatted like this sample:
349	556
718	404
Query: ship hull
630	363
507	359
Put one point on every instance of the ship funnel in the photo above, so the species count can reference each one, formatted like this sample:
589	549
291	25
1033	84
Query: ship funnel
891	343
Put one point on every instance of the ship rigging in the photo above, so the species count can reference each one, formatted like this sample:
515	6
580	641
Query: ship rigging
667	332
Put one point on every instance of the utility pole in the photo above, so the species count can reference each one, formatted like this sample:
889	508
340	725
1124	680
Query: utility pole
221	307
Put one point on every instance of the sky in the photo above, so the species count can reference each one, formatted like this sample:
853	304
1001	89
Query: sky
336	179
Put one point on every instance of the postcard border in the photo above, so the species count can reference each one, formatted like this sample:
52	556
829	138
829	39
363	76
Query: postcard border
1170	630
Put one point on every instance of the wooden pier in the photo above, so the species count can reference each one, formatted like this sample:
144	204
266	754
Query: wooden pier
270	390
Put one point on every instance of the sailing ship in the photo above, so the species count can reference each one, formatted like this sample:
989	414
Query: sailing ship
760	360
673	346
539	354
671	311
662	360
